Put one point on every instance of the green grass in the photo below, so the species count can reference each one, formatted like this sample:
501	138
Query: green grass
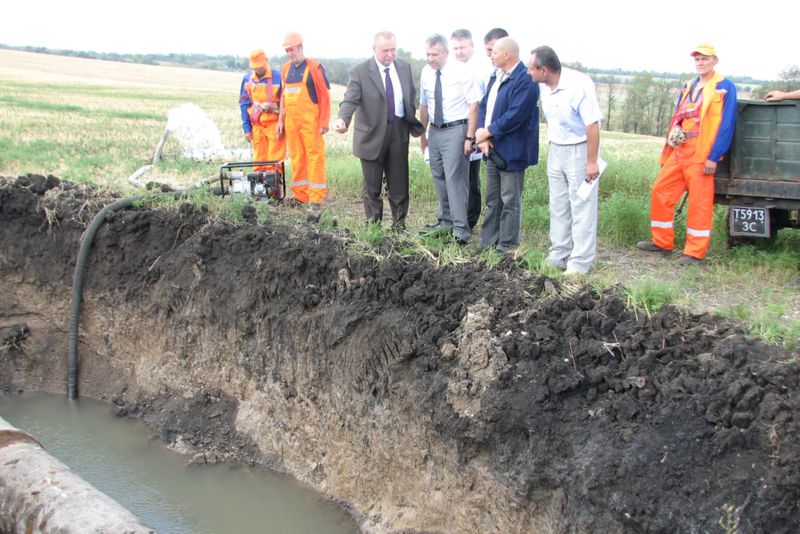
766	322
51	107
649	295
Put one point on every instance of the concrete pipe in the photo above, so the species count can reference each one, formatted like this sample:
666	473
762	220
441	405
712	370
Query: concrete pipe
39	494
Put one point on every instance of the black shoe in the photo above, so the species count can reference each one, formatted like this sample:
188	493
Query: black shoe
649	246
688	260
460	241
437	224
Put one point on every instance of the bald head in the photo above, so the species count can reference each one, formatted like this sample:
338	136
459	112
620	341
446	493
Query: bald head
505	53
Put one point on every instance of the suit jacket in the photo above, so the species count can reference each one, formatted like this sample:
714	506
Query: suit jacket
366	97
515	118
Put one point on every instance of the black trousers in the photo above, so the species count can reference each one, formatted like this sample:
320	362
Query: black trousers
474	201
391	166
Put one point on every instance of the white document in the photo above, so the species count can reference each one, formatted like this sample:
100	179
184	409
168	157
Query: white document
585	189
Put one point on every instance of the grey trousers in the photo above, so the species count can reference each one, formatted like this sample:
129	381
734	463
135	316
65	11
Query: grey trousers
573	221
450	171
503	218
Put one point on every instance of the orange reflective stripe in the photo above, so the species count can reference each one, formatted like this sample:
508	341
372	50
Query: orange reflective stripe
677	175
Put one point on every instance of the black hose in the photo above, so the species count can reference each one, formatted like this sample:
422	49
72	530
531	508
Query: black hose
77	284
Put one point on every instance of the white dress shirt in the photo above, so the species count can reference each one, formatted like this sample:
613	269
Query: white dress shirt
492	99
399	109
459	90
482	70
570	107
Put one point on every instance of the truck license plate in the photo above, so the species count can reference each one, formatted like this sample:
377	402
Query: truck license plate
749	221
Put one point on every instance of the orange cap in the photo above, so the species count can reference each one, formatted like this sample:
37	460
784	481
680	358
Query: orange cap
292	39
258	59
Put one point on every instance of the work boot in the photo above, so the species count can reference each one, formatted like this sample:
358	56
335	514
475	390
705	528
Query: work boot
688	260
649	246
313	212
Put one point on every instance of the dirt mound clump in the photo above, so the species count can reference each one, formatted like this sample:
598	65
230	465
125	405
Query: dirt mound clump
565	404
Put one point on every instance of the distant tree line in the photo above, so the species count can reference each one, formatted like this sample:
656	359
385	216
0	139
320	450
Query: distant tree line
643	102
641	105
788	80
198	61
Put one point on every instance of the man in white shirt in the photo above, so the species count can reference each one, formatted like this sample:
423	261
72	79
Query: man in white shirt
449	104
569	103
464	51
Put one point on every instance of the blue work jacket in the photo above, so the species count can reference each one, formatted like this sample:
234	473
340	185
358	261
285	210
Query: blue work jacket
515	119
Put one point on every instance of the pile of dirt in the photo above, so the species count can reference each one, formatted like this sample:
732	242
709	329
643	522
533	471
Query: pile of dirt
567	400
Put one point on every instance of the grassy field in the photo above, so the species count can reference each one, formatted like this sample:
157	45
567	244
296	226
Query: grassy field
97	122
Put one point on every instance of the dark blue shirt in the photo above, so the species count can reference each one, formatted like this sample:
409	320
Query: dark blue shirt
295	75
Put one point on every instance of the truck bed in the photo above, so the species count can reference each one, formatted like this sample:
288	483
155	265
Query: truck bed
763	167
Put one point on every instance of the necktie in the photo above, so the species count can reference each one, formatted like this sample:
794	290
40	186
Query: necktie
438	112
389	97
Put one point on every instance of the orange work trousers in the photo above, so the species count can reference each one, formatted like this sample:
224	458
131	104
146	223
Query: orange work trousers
307	152
678	174
306	143
266	145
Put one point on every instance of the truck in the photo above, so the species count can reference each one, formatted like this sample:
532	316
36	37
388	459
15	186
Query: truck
759	181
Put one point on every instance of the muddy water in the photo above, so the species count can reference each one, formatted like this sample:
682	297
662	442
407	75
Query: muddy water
123	459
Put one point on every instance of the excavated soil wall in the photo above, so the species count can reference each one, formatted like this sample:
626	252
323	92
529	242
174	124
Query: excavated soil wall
452	399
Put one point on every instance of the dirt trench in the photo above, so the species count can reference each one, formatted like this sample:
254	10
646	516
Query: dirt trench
455	399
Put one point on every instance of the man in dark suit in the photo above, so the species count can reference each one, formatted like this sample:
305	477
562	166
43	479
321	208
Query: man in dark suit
383	125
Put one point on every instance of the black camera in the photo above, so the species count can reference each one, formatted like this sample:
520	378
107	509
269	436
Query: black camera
498	161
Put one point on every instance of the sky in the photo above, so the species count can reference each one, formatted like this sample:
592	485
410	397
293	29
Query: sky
751	40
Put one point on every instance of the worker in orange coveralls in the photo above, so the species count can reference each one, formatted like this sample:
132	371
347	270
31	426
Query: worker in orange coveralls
304	117
259	100
700	134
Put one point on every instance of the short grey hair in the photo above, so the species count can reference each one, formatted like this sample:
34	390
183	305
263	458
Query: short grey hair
436	38
461	34
389	36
